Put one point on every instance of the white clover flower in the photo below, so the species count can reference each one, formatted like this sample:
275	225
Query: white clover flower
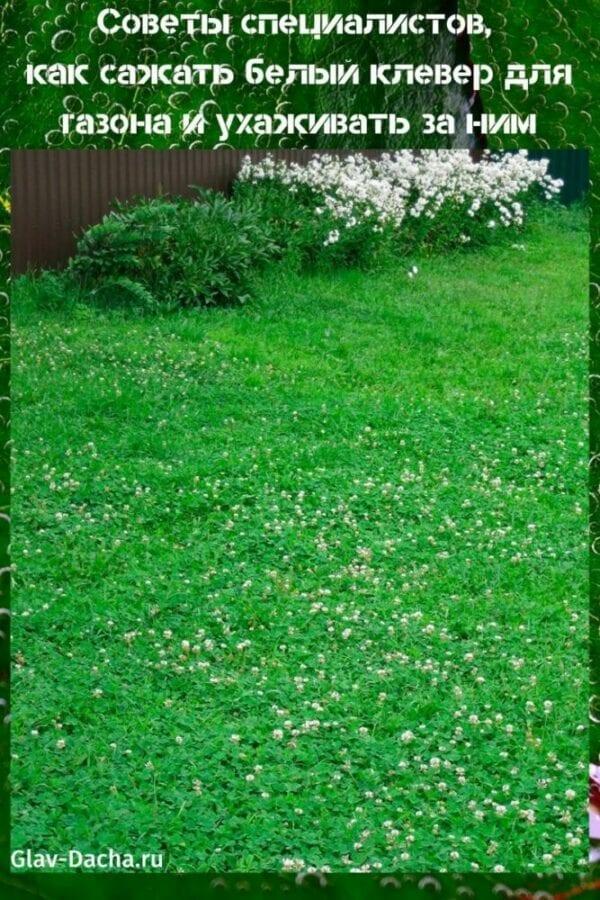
293	865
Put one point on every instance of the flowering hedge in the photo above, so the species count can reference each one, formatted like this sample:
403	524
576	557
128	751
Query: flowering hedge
352	208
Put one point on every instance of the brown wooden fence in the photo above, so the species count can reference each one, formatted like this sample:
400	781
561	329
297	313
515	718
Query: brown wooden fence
58	193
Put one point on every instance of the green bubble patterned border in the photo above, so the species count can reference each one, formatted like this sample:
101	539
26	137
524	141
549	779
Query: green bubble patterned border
523	31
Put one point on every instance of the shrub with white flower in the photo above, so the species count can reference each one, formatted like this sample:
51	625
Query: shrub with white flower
354	206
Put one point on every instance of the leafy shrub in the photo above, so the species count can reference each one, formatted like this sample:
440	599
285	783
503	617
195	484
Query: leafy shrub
304	230
172	252
121	291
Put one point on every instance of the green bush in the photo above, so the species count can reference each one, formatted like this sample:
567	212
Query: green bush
172	252
287	214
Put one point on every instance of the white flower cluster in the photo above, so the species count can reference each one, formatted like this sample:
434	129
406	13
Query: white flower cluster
383	192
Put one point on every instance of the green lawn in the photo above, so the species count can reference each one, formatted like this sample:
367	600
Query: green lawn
306	580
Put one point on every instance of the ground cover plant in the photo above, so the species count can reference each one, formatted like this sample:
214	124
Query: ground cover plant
302	582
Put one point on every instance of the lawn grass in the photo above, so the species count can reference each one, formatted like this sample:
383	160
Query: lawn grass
304	582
